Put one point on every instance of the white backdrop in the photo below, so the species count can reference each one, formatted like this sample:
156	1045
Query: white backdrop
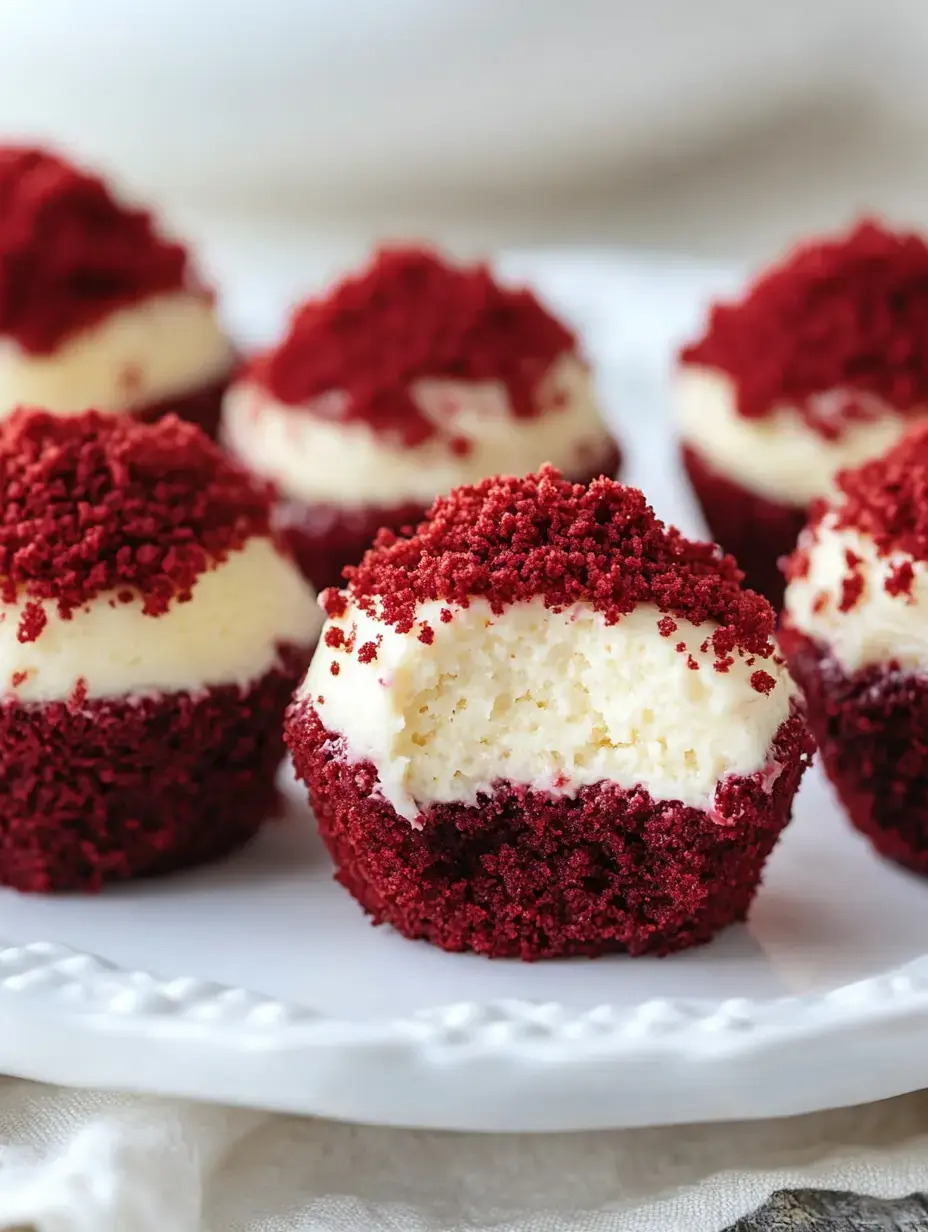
260	100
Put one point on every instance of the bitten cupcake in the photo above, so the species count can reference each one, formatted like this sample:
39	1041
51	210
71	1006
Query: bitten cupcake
406	380
856	633
822	364
151	634
97	309
546	724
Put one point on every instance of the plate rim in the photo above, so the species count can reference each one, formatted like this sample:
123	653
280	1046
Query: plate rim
202	1039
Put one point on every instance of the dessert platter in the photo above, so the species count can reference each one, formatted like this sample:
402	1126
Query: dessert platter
538	817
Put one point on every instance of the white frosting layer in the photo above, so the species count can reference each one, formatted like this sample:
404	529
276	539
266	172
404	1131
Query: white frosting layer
879	627
164	346
227	633
554	701
778	457
348	465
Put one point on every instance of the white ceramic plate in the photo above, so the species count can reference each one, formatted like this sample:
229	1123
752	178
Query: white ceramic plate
258	981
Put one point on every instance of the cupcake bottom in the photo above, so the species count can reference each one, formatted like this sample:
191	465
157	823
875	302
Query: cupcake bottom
872	732
531	876
326	538
756	531
202	406
104	790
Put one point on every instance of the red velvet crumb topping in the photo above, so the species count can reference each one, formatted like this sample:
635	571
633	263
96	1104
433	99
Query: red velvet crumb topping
92	503
408	316
69	253
509	540
838	330
885	500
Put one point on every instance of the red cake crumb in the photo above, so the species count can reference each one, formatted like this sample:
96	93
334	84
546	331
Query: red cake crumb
758	532
70	254
871	728
886	501
91	503
511	540
847	315
103	790
326	538
410	316
901	579
528	875
762	682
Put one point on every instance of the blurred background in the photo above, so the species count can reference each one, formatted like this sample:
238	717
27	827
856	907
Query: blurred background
716	128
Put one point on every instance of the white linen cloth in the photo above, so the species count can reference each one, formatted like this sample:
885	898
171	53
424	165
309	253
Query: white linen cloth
92	1162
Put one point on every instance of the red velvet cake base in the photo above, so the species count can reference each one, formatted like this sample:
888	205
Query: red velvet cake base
756	531
531	876
326	538
872	733
109	789
201	406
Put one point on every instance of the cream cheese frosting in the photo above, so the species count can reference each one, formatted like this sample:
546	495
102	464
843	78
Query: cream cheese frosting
164	346
551	700
880	627
228	632
779	457
315	459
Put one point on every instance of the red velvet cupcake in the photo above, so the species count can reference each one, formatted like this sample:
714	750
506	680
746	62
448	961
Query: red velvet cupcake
822	364
855	629
406	380
97	309
151	634
545	724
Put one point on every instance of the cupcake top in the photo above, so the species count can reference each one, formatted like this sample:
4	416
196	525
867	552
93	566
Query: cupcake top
838	332
411	316
510	541
91	504
858	581
551	635
70	254
136	560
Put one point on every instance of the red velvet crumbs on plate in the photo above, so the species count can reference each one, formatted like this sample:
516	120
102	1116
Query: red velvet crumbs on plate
511	540
841	316
91	503
411	315
70	254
